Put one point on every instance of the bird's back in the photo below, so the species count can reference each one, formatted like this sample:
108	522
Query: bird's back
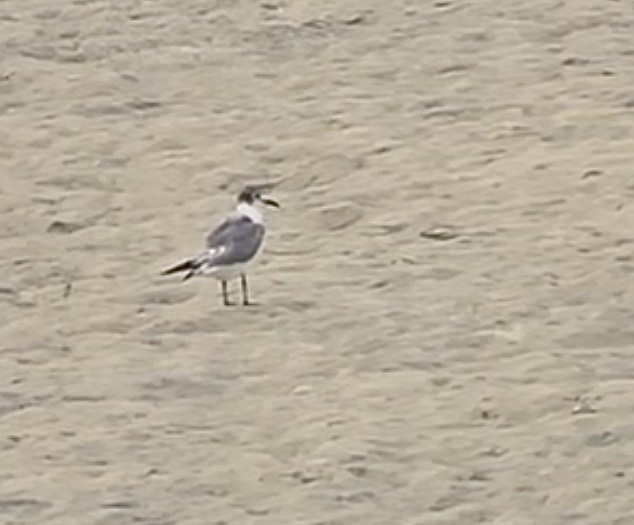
235	240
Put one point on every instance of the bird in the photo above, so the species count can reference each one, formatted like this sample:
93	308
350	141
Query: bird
232	244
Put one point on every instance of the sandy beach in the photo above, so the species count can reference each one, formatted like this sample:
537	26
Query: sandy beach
444	328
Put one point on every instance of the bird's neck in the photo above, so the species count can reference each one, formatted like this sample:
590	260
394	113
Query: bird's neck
250	211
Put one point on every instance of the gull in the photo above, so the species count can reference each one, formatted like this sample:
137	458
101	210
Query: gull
232	244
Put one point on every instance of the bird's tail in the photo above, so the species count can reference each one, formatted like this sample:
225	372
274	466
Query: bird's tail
189	265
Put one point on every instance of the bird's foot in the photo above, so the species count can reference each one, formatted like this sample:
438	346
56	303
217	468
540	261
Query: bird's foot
249	303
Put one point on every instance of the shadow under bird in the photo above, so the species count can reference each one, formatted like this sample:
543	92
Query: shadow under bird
232	244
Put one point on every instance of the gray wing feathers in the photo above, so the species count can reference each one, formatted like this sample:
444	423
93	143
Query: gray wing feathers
236	240
217	236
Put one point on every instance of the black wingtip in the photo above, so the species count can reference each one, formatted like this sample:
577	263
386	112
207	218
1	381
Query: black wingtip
180	267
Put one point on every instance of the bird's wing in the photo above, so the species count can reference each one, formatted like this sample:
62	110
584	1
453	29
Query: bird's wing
216	237
235	240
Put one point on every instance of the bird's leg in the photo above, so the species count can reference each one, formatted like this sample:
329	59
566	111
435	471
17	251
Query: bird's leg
225	295
245	289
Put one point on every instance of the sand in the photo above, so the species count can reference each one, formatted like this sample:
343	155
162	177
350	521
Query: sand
444	330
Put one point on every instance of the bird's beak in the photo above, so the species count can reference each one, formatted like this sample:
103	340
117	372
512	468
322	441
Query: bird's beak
270	202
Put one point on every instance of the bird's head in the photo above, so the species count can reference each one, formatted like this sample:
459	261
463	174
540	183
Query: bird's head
254	193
